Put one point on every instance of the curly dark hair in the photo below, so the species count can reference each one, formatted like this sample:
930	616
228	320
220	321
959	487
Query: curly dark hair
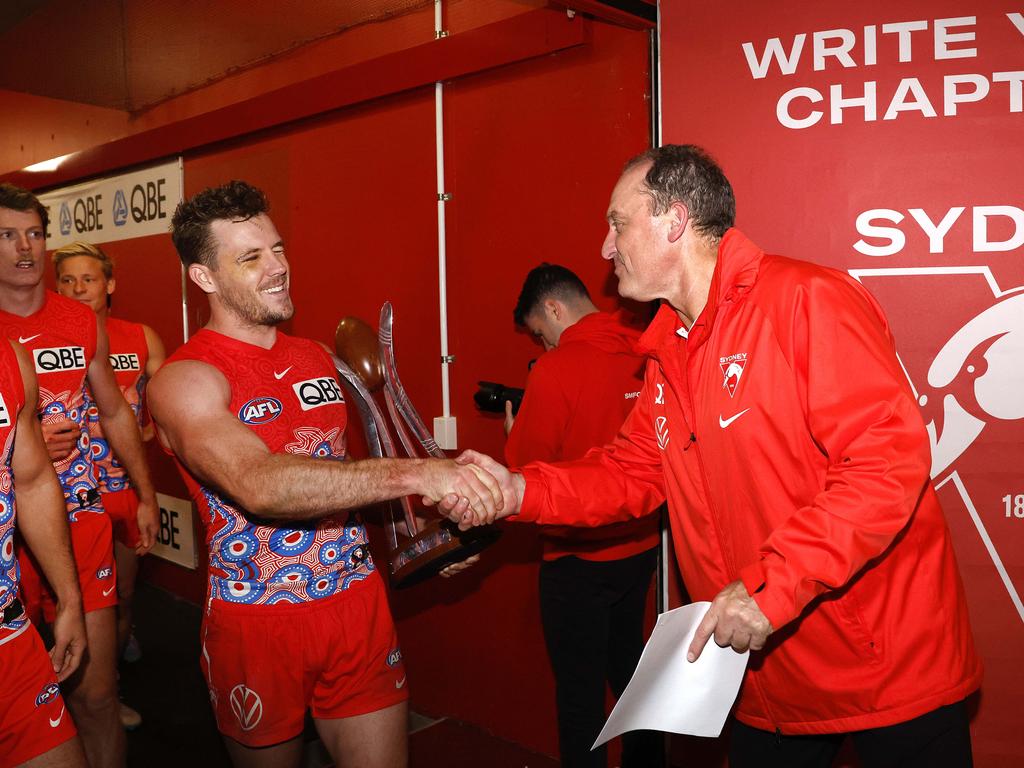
547	281
190	226
688	174
17	199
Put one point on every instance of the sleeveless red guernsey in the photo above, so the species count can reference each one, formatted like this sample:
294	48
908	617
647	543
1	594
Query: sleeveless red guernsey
289	397
12	399
129	354
61	338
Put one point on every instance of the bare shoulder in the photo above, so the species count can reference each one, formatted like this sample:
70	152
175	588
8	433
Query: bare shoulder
190	384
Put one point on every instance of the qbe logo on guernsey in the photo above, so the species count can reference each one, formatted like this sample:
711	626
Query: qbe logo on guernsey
5	415
125	361
314	393
59	359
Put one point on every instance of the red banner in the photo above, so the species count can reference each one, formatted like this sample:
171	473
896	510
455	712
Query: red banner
887	140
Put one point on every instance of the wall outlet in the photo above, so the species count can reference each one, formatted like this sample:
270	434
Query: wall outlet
445	432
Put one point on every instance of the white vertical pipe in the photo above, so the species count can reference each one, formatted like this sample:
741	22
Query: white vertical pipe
442	254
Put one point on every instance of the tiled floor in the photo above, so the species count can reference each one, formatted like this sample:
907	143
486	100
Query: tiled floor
167	688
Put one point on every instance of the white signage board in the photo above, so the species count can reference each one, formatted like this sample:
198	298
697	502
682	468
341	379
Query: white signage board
115	208
175	537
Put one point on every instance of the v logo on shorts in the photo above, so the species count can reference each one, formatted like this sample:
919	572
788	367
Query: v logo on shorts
247	706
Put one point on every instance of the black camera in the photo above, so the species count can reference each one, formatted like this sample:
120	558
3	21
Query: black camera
491	397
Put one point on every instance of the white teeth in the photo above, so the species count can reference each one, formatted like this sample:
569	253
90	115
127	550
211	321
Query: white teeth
278	289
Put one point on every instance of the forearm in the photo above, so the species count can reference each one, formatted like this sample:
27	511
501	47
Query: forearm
285	486
43	523
122	431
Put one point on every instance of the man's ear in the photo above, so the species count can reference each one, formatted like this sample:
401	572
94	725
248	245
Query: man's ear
200	275
678	218
111	284
553	309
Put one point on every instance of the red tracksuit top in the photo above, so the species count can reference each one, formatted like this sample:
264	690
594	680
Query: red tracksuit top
577	396
785	437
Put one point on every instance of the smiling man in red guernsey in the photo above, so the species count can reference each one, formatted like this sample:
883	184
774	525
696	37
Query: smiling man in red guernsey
296	616
85	273
69	348
778	423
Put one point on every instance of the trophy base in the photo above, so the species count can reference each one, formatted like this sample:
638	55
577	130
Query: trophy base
438	545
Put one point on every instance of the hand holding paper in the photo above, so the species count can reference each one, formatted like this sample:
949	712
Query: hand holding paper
670	693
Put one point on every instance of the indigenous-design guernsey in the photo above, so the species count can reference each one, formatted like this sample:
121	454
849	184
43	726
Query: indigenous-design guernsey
61	337
12	398
289	397
129	354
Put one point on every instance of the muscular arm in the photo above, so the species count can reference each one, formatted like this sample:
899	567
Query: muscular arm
122	431
190	404
43	523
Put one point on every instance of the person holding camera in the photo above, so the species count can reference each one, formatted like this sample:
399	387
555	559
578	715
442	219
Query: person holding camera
594	582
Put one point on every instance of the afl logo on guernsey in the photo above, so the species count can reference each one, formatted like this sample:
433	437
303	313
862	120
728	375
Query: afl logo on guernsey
313	393
126	361
5	415
260	410
59	359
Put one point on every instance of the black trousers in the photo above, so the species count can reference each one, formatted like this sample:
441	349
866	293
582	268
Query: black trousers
592	614
937	739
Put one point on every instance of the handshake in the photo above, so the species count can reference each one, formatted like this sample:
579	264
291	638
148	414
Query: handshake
474	490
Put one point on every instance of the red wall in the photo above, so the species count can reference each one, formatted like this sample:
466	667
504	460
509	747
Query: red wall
801	191
532	152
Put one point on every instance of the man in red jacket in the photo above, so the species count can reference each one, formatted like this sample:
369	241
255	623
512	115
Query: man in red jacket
594	582
777	421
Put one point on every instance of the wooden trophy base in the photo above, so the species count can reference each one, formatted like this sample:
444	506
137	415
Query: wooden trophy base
438	545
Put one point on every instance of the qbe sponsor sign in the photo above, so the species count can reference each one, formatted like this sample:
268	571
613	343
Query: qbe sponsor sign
175	537
115	208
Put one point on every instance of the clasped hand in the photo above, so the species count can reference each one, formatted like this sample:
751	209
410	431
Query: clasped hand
484	491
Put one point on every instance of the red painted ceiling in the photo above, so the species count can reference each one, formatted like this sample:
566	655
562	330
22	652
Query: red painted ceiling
132	54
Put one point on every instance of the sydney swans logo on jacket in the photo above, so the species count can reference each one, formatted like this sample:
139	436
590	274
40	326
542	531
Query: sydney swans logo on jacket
732	369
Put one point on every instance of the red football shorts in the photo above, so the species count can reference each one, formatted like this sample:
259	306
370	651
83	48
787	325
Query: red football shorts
94	556
266	665
123	508
33	719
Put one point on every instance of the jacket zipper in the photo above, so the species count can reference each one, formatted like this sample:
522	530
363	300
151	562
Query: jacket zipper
715	521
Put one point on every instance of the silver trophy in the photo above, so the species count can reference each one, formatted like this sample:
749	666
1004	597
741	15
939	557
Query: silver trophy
366	364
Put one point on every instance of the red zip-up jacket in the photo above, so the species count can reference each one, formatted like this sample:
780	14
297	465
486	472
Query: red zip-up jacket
785	437
577	396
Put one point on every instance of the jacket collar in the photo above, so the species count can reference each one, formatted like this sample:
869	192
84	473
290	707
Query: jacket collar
735	273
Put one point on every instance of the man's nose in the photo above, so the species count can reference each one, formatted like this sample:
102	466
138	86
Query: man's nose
608	247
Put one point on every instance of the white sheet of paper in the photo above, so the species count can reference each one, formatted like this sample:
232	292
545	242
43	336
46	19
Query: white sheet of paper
668	693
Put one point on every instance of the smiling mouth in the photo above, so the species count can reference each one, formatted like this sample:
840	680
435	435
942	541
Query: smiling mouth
275	290
25	264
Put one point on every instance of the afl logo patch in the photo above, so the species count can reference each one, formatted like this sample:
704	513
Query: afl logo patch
104	573
260	410
247	706
394	658
48	694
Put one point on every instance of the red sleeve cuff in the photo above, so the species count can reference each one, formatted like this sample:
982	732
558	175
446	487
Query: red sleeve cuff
530	509
756	582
